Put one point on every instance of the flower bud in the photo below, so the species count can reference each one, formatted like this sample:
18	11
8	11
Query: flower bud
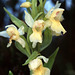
26	4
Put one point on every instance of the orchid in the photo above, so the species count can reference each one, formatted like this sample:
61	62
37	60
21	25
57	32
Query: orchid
13	34
36	36
37	28
54	17
37	67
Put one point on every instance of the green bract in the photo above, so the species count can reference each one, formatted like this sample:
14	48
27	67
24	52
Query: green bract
51	59
33	56
25	50
16	21
46	39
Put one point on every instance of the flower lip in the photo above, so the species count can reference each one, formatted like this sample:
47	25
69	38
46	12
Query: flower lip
37	28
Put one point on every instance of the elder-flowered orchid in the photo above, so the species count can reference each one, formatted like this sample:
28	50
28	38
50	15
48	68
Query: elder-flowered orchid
36	36
54	17
37	28
13	34
37	68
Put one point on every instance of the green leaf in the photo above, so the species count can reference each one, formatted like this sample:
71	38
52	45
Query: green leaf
41	5
51	59
38	16
28	40
21	49
41	8
26	45
33	56
34	8
25	50
29	11
31	72
10	73
44	2
27	0
47	38
16	21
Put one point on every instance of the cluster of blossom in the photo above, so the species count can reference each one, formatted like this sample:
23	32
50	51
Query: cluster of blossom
53	19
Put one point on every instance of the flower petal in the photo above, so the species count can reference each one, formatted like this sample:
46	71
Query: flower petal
47	24
34	64
47	71
28	19
57	28
57	5
4	34
9	44
51	10
34	44
57	14
44	58
49	13
21	41
21	30
11	25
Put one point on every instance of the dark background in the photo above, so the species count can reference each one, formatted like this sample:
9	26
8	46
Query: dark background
12	59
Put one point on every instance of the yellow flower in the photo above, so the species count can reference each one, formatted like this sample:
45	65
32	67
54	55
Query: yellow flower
13	34
37	28
36	36
54	17
26	4
36	66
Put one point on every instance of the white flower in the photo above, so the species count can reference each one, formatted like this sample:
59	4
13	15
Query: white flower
37	28
37	68
13	34
54	17
36	36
